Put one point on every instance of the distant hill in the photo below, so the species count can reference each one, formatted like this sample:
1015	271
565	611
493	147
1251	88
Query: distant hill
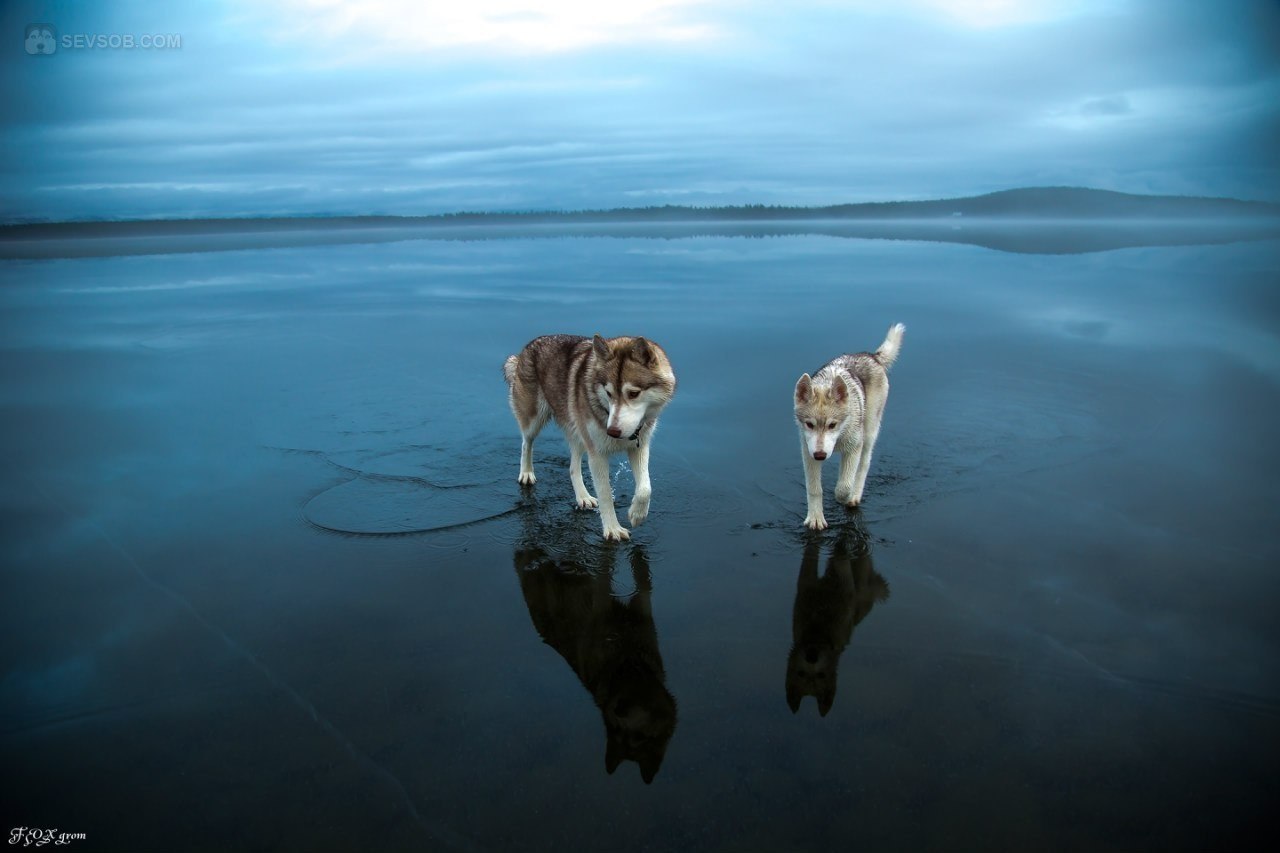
1063	203
1038	203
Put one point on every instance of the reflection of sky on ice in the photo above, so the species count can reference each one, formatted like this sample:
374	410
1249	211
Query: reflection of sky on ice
380	359
210	458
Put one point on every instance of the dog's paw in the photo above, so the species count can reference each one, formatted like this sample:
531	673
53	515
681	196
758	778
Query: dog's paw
815	522
843	495
527	478
587	502
853	503
616	533
639	510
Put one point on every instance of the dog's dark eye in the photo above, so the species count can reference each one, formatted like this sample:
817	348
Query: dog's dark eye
809	424
632	394
831	425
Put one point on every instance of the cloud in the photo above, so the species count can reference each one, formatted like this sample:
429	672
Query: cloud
1112	105
992	14
276	109
369	30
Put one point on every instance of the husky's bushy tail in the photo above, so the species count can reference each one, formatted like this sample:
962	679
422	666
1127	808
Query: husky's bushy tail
888	352
509	369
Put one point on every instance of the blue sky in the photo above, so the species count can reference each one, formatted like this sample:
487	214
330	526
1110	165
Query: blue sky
393	106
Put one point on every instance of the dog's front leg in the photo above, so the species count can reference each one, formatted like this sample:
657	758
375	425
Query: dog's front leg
864	462
815	520
599	465
639	458
846	482
580	493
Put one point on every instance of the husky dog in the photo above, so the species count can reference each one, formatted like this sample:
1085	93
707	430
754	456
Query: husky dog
827	610
839	408
606	395
612	646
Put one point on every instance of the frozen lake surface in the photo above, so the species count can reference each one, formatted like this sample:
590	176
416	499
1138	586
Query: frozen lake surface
269	582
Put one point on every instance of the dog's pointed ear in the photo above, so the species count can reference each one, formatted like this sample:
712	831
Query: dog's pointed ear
642	352
804	389
793	695
601	348
841	389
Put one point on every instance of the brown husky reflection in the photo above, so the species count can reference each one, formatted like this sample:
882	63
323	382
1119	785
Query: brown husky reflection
612	646
827	610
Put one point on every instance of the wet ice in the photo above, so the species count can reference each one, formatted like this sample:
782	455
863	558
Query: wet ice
1080	561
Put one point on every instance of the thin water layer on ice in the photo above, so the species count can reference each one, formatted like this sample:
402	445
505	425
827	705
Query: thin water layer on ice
269	581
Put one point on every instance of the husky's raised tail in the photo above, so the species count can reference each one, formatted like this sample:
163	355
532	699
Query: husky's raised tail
887	354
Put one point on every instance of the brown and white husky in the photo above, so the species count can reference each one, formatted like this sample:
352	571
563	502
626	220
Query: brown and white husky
606	395
840	408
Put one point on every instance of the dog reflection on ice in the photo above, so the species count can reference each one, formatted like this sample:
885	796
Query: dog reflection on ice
612	646
827	609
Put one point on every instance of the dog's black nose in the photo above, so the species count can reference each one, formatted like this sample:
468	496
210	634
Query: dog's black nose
819	455
614	432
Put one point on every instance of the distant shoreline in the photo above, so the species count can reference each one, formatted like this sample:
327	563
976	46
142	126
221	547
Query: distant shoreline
1043	205
1018	236
1039	221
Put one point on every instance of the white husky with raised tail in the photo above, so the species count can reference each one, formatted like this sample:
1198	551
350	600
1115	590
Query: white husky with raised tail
840	408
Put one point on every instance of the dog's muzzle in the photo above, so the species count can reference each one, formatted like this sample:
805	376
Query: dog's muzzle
613	432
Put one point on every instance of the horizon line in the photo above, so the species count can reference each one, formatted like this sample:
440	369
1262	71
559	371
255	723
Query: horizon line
1274	209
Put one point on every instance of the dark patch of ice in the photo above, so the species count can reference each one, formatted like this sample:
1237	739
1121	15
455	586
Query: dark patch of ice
408	489
381	505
